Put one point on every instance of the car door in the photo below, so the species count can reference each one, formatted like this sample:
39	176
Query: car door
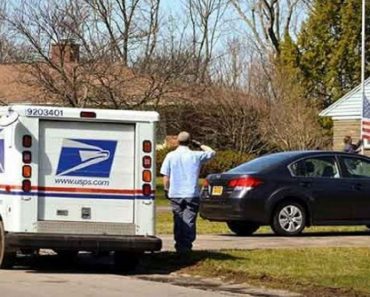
319	177
356	178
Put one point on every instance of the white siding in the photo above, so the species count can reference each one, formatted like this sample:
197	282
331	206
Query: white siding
349	106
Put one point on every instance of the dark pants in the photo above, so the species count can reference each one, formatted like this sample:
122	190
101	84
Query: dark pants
185	212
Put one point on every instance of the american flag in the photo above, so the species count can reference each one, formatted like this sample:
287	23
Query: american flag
366	119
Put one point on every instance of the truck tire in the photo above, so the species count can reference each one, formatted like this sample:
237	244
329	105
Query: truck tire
242	228
126	262
7	257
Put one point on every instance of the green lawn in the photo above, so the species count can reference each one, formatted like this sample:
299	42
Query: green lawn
165	226
315	271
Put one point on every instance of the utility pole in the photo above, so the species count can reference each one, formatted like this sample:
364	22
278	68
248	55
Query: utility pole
363	68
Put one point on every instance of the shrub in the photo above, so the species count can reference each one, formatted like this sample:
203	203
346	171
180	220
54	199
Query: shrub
223	161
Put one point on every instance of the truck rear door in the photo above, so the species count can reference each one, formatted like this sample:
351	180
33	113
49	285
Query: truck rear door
86	172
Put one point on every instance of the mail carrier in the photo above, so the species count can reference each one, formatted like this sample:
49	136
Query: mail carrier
77	180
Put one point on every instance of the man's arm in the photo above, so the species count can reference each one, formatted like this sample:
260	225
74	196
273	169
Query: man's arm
357	145
209	153
166	182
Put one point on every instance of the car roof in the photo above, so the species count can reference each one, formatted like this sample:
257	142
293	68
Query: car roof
291	156
307	153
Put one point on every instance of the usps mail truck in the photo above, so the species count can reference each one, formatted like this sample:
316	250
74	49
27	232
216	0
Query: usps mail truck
77	180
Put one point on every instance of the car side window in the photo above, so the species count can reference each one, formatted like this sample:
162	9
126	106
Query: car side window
316	167
356	167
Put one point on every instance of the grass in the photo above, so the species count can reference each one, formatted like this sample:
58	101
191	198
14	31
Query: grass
315	272
165	226
311	271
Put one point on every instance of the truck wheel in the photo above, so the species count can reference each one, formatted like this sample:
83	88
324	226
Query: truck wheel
242	228
7	257
289	219
126	262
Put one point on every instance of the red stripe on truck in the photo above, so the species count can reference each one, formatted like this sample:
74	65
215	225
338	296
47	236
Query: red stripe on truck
73	190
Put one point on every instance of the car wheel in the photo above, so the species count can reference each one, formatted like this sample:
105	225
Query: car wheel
7	257
243	228
289	219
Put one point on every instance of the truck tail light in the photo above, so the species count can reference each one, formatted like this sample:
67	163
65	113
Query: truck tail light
26	185
27	141
147	146
147	189
27	157
147	162
27	171
88	114
147	176
205	183
245	182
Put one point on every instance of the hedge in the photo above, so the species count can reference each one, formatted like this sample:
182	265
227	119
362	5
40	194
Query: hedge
223	161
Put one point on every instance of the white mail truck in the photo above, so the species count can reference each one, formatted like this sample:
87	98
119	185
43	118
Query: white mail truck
77	180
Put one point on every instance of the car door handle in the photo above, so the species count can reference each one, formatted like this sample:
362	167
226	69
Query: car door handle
357	187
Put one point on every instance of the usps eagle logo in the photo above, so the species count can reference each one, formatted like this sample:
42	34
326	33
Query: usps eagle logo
86	158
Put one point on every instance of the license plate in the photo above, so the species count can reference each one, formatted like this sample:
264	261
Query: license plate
217	190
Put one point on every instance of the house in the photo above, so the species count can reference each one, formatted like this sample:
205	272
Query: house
346	114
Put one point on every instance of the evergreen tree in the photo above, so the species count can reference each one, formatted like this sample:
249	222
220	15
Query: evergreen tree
327	53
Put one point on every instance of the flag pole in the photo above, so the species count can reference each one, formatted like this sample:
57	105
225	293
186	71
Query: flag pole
363	39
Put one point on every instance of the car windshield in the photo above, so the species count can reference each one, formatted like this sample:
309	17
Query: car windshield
259	164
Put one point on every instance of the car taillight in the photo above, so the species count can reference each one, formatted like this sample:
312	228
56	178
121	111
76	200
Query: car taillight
245	182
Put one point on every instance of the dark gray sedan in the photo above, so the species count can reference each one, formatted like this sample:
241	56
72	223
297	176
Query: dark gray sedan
290	191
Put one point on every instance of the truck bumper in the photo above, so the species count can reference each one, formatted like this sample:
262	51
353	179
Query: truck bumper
80	242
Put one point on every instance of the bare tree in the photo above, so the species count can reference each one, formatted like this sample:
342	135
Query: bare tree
80	53
268	20
205	18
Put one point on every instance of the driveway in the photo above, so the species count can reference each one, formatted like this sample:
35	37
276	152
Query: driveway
270	241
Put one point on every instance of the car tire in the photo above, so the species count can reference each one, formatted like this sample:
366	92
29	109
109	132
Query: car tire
7	257
289	219
242	228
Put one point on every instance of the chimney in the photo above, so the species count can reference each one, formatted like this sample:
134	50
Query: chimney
65	51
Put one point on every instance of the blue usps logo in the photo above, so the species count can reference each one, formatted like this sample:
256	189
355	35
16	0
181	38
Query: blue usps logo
2	165
86	157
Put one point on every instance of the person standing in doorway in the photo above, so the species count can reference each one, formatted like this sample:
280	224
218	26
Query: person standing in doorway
180	170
